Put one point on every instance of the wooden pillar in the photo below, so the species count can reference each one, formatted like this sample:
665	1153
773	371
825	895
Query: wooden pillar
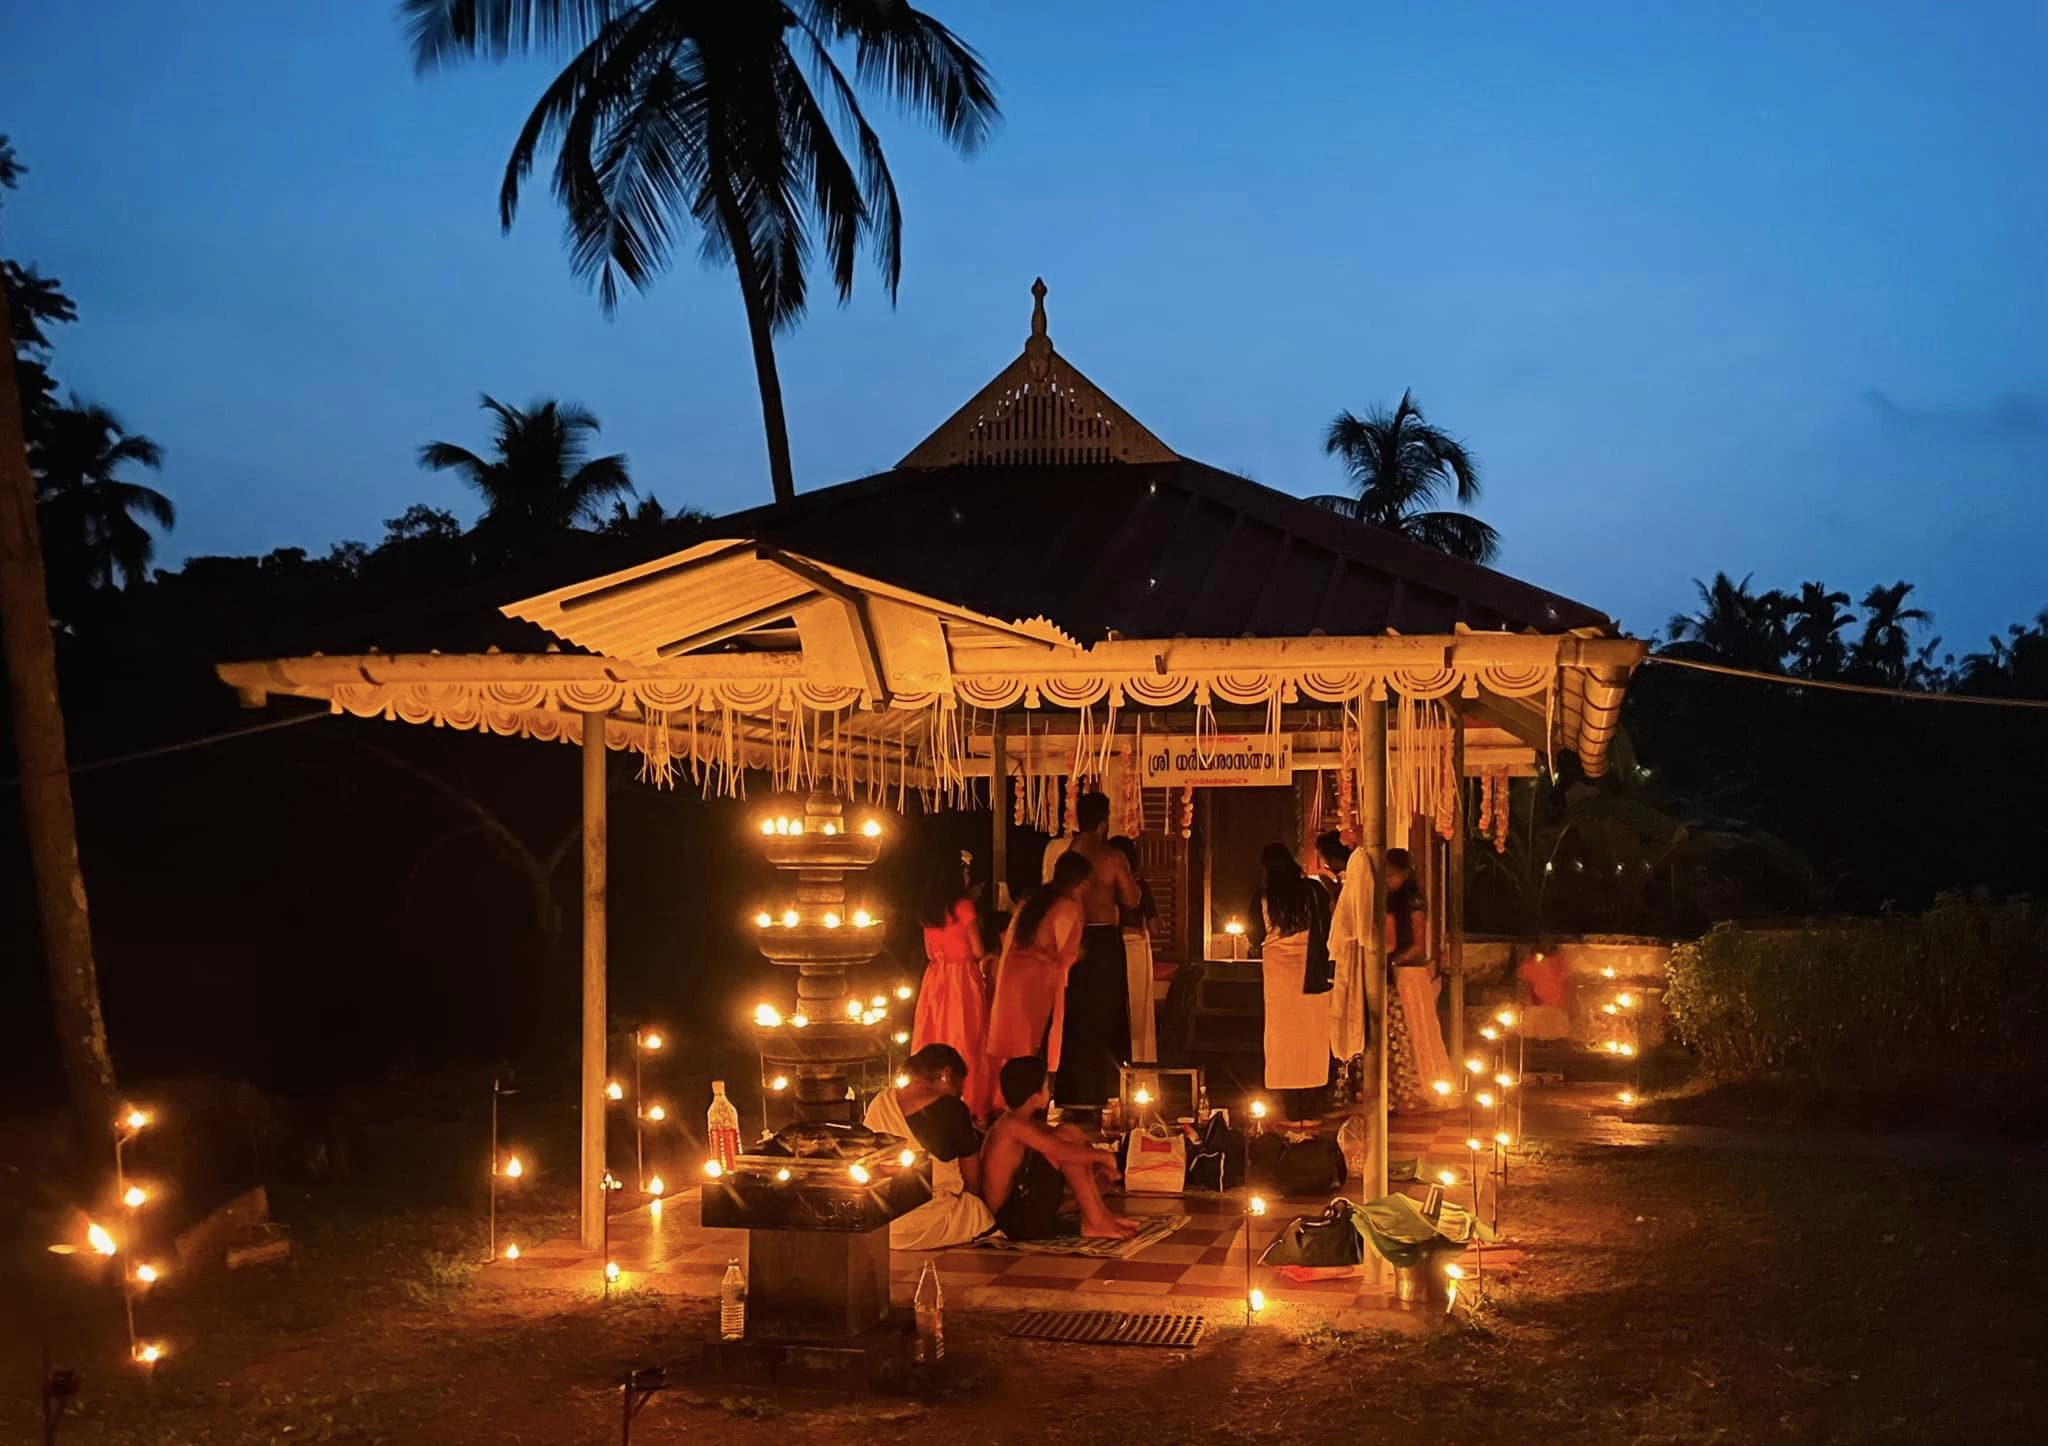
590	1097
1454	902
1205	822
1372	824
999	805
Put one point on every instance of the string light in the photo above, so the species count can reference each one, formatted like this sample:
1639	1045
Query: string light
859	1173
656	1185
767	1016
512	1252
613	1090
134	1197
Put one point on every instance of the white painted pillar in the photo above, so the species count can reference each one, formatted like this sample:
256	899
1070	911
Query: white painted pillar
1372	821
591	1097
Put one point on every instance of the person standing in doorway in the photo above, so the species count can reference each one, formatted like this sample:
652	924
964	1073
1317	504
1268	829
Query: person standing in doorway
1294	966
1415	1046
1137	924
1098	1013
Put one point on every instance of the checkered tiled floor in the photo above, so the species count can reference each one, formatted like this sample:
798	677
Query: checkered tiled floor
1198	1265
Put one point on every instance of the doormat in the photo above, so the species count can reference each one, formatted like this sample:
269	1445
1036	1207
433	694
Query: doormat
1111	1328
1154	1230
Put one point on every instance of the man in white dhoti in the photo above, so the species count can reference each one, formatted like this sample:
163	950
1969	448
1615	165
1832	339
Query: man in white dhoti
929	1112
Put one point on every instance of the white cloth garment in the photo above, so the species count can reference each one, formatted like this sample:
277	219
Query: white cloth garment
954	1215
1054	847
1351	990
1138	976
1297	1024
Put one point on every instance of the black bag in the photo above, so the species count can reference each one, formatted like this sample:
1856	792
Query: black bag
1216	1157
1313	1166
1333	1239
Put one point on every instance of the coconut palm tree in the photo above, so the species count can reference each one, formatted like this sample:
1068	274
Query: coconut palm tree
1733	626
1400	468
1884	654
731	120
96	523
541	481
1817	618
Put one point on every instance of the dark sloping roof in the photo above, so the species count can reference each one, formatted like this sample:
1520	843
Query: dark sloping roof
1152	550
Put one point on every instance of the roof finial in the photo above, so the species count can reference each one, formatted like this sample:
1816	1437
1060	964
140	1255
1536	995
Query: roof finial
1038	307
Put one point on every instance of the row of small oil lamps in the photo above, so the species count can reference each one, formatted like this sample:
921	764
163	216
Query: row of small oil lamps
783	826
831	919
102	1241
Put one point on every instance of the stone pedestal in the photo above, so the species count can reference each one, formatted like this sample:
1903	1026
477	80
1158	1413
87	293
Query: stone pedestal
810	1285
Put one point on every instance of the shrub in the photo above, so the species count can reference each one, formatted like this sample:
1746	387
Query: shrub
1958	993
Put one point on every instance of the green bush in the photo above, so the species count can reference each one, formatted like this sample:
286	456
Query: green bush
1958	993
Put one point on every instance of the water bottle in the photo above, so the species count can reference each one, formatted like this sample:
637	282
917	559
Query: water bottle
929	1303
732	1302
722	1127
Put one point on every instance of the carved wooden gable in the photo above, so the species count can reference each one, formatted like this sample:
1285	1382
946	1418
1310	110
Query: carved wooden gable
1039	411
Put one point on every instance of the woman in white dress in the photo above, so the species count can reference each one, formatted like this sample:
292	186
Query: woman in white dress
1293	921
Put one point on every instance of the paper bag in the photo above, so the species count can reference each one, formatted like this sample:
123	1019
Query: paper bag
1155	1162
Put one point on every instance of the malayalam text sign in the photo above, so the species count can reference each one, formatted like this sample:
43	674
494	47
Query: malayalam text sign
1216	760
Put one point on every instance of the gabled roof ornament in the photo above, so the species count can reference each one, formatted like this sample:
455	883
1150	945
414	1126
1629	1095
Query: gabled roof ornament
1039	411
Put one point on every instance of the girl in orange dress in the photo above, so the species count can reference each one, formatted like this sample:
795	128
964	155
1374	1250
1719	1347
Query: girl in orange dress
1029	1011
952	1007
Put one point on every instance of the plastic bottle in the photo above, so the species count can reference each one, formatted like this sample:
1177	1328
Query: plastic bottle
722	1127
929	1303
732	1302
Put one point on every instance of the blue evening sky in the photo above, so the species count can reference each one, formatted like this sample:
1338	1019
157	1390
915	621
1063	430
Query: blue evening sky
1750	287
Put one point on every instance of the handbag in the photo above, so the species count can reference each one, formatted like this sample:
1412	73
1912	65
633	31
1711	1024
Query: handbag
1216	1158
1311	1166
1332	1239
1155	1162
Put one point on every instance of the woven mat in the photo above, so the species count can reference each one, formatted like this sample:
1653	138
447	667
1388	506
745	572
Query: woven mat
1155	1229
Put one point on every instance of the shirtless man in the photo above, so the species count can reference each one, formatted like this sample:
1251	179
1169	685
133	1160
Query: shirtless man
1098	1024
1027	1165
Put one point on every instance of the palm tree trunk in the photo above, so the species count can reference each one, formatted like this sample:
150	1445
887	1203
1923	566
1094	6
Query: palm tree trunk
762	333
45	777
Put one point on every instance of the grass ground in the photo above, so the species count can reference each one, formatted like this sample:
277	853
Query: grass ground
1720	1287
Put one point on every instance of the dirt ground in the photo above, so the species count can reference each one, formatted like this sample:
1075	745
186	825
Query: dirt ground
1682	1286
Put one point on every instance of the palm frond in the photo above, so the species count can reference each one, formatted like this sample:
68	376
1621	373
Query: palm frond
447	457
924	67
1457	533
442	32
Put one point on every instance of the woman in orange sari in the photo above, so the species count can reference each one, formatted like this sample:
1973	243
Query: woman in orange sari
952	1007
1029	1011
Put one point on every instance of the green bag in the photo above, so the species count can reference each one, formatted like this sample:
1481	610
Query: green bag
1395	1226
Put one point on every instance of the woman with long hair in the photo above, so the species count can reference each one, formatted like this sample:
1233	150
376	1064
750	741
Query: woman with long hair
952	1007
1294	968
1415	1046
1028	1015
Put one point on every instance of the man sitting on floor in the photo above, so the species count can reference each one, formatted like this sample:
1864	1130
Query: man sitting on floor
929	1111
1027	1166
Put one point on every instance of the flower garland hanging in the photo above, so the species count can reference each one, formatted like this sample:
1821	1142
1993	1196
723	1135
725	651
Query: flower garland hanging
1347	782
1499	779
1187	811
1447	790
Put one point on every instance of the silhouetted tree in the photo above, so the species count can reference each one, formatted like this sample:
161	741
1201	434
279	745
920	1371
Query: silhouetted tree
673	115
1400	469
540	480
